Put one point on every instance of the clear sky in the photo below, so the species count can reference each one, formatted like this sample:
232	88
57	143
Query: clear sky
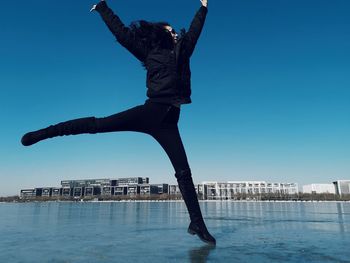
270	83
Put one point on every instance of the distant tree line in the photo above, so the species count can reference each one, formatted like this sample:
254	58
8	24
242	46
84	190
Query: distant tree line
324	197
15	198
164	197
160	197
286	197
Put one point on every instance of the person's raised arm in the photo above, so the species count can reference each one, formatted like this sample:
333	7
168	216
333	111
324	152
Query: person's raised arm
193	33
123	34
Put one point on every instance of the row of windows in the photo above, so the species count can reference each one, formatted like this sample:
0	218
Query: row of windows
255	185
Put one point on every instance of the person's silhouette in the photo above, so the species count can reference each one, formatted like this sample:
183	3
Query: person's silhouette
166	57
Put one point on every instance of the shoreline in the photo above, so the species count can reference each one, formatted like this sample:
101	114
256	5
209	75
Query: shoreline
177	201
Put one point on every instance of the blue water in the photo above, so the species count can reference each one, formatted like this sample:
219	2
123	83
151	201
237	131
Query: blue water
156	232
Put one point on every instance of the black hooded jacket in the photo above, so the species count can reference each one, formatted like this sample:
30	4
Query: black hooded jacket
168	69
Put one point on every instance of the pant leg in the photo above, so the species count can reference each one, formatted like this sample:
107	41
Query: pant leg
169	138
167	134
134	119
171	142
140	118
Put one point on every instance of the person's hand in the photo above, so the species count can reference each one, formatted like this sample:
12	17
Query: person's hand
94	7
204	3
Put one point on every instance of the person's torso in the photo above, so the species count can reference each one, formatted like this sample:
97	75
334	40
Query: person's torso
168	74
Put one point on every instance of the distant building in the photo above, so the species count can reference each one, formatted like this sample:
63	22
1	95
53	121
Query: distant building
88	182
94	187
231	189
46	191
107	190
173	189
103	187
319	189
28	193
132	181
161	188
56	191
92	190
67	191
133	190
133	186
147	189
120	190
145	180
78	191
342	187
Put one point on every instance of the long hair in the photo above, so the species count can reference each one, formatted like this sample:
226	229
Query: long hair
153	34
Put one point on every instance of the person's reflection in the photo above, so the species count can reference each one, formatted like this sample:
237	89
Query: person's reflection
200	254
340	210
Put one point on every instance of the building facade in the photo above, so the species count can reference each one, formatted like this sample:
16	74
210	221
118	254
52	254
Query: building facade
233	189
342	187
98	187
173	189
209	190
319	189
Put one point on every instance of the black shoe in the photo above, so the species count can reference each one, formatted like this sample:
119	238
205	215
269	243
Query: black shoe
188	191
33	137
72	127
201	231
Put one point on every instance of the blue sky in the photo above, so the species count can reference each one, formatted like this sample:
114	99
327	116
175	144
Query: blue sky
270	83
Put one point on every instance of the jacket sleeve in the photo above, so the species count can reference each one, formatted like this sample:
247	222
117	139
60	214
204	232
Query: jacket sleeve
122	33
192	35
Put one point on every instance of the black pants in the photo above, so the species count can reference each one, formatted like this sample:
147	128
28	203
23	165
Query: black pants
156	119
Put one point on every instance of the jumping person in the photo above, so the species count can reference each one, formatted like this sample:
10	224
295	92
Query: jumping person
166	57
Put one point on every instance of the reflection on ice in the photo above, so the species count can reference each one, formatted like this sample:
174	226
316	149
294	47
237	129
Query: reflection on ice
157	232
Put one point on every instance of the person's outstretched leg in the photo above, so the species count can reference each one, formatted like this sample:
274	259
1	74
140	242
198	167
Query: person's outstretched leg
169	138
129	120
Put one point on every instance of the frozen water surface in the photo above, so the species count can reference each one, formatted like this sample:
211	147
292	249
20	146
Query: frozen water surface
157	232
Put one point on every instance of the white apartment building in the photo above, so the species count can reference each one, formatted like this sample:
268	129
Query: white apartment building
342	187
230	189
319	189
